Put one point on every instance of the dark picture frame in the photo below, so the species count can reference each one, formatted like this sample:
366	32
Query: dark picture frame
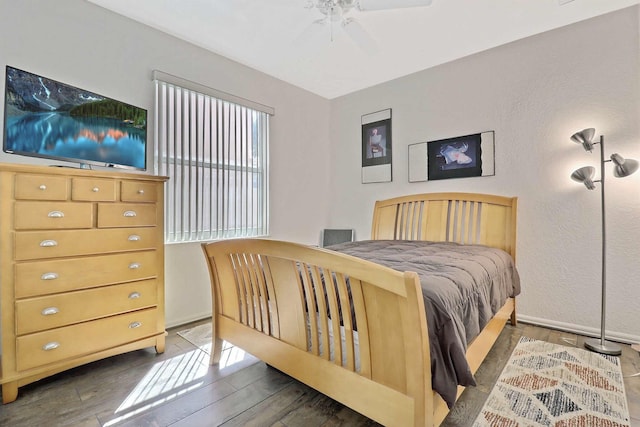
458	157
376	143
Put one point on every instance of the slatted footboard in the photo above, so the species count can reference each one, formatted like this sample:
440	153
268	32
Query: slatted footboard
351	329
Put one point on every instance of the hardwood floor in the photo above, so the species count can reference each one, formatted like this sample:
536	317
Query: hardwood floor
178	388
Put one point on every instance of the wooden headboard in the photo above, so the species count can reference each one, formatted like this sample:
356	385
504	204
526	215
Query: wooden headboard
466	218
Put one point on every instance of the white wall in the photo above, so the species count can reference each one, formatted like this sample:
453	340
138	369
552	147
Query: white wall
534	93
84	45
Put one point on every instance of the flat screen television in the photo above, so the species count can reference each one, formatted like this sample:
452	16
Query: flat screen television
52	120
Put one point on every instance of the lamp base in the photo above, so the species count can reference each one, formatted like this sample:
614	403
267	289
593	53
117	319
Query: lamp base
603	347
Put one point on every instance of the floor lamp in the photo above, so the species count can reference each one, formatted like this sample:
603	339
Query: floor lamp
585	175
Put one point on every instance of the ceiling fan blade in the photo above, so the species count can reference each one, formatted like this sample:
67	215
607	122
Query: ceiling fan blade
360	36
391	4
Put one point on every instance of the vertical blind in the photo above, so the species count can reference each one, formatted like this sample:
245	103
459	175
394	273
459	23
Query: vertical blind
215	152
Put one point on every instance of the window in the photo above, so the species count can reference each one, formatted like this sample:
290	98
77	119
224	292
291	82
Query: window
214	148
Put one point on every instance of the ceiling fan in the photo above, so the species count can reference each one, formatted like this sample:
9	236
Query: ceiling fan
337	12
328	7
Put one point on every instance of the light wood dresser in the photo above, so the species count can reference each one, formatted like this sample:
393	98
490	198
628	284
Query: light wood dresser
81	269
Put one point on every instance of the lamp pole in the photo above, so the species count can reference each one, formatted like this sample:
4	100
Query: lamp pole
601	345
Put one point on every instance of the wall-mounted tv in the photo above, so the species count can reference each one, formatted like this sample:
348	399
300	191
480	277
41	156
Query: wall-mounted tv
52	120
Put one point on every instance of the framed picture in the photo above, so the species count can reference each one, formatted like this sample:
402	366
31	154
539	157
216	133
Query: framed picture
458	157
376	143
376	147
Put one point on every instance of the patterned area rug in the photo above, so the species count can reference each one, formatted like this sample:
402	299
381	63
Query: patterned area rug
547	384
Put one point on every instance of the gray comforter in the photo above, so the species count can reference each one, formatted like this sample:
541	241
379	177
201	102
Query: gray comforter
463	287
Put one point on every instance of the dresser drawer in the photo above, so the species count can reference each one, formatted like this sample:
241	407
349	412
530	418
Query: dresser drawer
126	215
36	278
52	215
135	191
42	348
41	187
62	243
43	313
93	189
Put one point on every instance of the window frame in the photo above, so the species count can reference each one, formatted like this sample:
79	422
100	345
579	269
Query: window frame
189	119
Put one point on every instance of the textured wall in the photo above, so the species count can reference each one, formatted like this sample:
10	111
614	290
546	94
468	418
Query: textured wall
534	93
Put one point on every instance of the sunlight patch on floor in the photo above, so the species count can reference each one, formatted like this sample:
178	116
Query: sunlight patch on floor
166	380
172	378
230	355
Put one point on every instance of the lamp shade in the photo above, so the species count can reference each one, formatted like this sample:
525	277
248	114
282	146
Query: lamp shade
584	137
624	167
585	175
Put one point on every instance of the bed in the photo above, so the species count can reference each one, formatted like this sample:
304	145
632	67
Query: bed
357	330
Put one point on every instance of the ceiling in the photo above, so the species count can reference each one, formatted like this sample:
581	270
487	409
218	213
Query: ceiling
279	37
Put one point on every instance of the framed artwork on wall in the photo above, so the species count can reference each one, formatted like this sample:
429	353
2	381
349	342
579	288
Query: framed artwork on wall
459	157
376	147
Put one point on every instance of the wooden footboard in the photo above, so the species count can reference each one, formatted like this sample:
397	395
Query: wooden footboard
285	303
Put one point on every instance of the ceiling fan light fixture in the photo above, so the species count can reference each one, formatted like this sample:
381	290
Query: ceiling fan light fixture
333	9
337	11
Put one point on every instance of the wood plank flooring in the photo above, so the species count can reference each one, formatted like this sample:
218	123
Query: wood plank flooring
179	389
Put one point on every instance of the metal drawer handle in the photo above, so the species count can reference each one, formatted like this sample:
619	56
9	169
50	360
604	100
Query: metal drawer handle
55	214
51	346
134	265
134	325
134	238
48	243
140	191
42	187
95	189
129	213
50	311
134	295
49	276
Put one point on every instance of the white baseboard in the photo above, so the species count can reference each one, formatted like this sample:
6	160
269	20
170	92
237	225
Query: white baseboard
567	327
579	329
187	319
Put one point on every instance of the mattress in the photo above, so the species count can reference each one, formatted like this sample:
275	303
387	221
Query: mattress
463	287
